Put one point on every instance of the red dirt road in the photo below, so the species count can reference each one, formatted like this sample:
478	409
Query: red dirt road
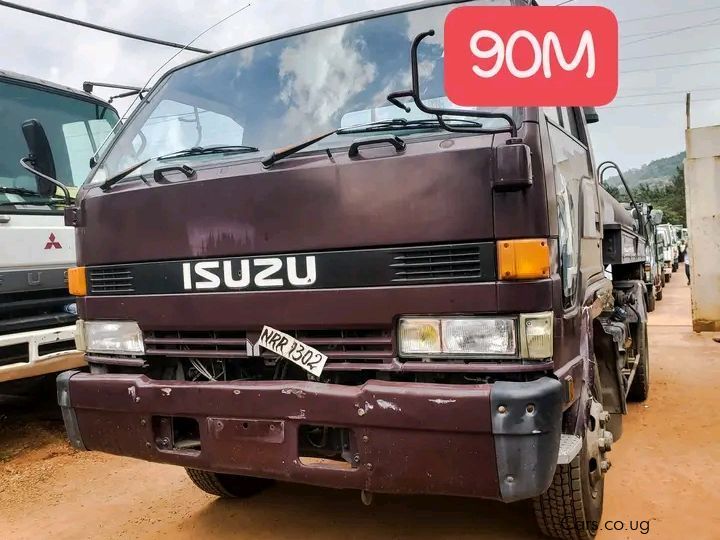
666	470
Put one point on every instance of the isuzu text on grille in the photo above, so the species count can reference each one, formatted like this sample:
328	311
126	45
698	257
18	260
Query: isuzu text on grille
263	273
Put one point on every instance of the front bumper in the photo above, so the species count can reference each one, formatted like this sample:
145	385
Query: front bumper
497	441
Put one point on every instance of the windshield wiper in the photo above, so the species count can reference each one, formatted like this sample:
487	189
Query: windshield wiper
195	151
404	124
110	182
27	193
18	191
206	150
384	125
294	149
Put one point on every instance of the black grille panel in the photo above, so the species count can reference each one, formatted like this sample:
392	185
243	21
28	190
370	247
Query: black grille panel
440	263
370	345
379	267
111	280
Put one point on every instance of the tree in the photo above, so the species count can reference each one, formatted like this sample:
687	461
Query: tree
614	191
669	198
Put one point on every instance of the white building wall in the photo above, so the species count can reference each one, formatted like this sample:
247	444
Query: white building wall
702	192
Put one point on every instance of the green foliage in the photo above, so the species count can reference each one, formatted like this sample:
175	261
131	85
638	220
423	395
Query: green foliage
616	192
670	198
655	172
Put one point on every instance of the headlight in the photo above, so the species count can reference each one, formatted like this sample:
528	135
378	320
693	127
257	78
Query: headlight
479	336
123	337
457	336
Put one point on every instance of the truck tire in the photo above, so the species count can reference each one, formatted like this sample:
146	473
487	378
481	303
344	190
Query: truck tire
650	299
640	387
227	485
572	506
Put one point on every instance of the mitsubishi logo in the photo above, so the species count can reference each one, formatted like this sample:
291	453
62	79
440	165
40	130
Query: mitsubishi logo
52	242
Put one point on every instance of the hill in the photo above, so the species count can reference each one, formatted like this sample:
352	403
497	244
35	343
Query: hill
658	173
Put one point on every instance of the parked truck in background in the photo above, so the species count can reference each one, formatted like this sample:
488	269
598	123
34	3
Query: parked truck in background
667	238
645	221
363	309
55	129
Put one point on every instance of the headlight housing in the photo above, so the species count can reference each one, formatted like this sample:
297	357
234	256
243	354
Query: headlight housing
107	337
458	336
527	336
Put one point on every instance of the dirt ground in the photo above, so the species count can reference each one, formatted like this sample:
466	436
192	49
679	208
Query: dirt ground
665	470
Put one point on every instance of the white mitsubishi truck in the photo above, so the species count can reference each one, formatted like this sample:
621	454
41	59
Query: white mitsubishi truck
55	130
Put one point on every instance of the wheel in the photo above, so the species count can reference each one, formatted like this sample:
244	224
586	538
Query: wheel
675	267
640	387
659	294
650	299
667	278
572	506
227	485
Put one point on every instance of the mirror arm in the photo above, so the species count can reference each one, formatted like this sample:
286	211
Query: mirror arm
415	95
606	166
450	112
394	98
30	168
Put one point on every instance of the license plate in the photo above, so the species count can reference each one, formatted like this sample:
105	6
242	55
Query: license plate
311	360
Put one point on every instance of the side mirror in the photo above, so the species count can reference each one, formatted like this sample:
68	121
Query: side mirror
591	115
40	155
656	216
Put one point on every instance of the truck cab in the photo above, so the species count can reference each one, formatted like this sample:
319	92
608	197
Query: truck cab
37	313
445	271
666	239
646	220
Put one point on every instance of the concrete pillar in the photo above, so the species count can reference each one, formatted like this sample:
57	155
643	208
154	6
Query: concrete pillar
702	194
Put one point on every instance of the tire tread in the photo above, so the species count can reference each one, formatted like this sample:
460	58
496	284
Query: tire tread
227	485
562	505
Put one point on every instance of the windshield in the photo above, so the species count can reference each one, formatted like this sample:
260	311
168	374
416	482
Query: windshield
74	128
285	91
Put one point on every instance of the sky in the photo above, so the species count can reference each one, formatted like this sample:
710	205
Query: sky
645	122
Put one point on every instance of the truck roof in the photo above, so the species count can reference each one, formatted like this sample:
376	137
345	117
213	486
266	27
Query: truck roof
27	80
361	15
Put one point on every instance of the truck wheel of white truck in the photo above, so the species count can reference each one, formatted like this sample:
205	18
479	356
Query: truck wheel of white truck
572	506
228	485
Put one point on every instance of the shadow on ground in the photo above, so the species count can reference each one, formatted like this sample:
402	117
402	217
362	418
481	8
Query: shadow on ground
287	511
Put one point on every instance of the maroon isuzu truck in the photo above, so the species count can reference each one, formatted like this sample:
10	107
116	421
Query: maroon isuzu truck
299	261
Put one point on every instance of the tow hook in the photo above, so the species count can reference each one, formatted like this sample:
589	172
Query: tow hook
366	497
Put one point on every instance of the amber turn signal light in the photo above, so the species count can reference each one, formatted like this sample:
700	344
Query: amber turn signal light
523	259
77	284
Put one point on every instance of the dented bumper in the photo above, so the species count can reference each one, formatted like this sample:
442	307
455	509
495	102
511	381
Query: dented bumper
497	441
